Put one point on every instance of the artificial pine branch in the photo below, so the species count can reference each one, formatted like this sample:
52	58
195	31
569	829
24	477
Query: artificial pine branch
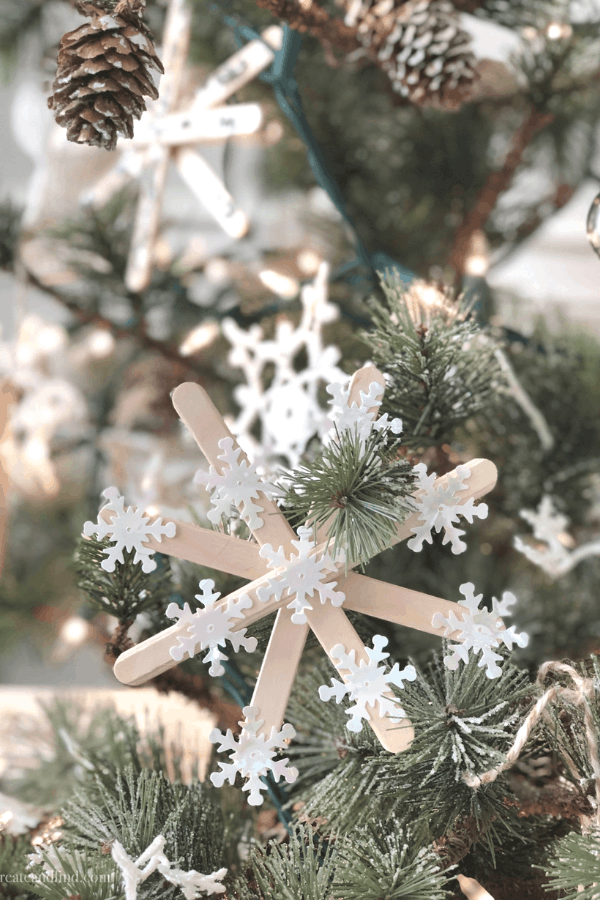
357	490
440	364
124	593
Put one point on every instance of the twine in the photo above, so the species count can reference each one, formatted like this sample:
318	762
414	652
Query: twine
580	696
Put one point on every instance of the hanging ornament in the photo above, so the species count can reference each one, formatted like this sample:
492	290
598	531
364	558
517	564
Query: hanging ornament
593	225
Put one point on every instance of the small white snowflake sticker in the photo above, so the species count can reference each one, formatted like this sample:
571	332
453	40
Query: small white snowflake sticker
440	508
128	529
357	417
239	485
304	575
480	630
367	684
211	627
253	755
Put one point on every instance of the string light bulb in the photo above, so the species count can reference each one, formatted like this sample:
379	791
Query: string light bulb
426	302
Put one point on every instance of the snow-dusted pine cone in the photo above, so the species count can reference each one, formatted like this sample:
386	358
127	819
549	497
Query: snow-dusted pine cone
420	44
103	74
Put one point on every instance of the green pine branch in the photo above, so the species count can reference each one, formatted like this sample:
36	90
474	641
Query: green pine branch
441	371
357	490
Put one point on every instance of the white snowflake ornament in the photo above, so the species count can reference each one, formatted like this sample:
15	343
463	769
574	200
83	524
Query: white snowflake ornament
350	415
557	556
237	485
304	574
439	507
253	755
282	401
192	883
128	529
211	627
367	683
479	630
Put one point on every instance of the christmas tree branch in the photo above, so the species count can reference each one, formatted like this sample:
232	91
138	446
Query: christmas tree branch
307	16
138	333
496	184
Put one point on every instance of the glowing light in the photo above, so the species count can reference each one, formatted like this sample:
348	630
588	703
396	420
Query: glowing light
529	33
273	132
217	271
75	631
476	265
152	511
202	336
556	31
5	818
426	302
283	285
101	343
308	262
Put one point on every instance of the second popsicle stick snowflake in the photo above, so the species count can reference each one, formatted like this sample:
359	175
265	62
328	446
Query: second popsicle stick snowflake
276	577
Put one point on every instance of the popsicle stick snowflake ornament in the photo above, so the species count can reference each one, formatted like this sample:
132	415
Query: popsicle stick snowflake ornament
168	133
301	581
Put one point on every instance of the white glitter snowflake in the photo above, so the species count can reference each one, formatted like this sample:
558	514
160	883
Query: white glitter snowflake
239	485
550	528
253	755
285	402
153	859
480	630
367	684
128	529
356	416
303	577
211	627
440	508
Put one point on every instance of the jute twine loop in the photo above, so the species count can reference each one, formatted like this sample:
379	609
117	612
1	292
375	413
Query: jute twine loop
579	696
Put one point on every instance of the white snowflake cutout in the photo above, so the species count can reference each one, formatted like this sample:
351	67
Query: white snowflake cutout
357	416
480	630
154	860
211	627
128	529
367	684
556	558
303	577
239	485
253	755
440	508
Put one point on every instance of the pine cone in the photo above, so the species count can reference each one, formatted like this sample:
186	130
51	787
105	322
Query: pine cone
103	74
421	45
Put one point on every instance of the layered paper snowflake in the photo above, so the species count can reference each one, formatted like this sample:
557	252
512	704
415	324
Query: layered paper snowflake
360	417
128	529
211	628
237	485
153	859
282	400
479	631
302	575
439	507
253	755
555	557
367	684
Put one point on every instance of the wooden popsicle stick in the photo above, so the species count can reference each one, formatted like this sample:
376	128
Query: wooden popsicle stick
206	548
239	69
282	657
154	176
151	657
207	427
210	191
214	125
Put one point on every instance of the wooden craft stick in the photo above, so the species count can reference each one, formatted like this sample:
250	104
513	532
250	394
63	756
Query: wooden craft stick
151	657
210	191
239	69
206	548
213	125
6	399
154	176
